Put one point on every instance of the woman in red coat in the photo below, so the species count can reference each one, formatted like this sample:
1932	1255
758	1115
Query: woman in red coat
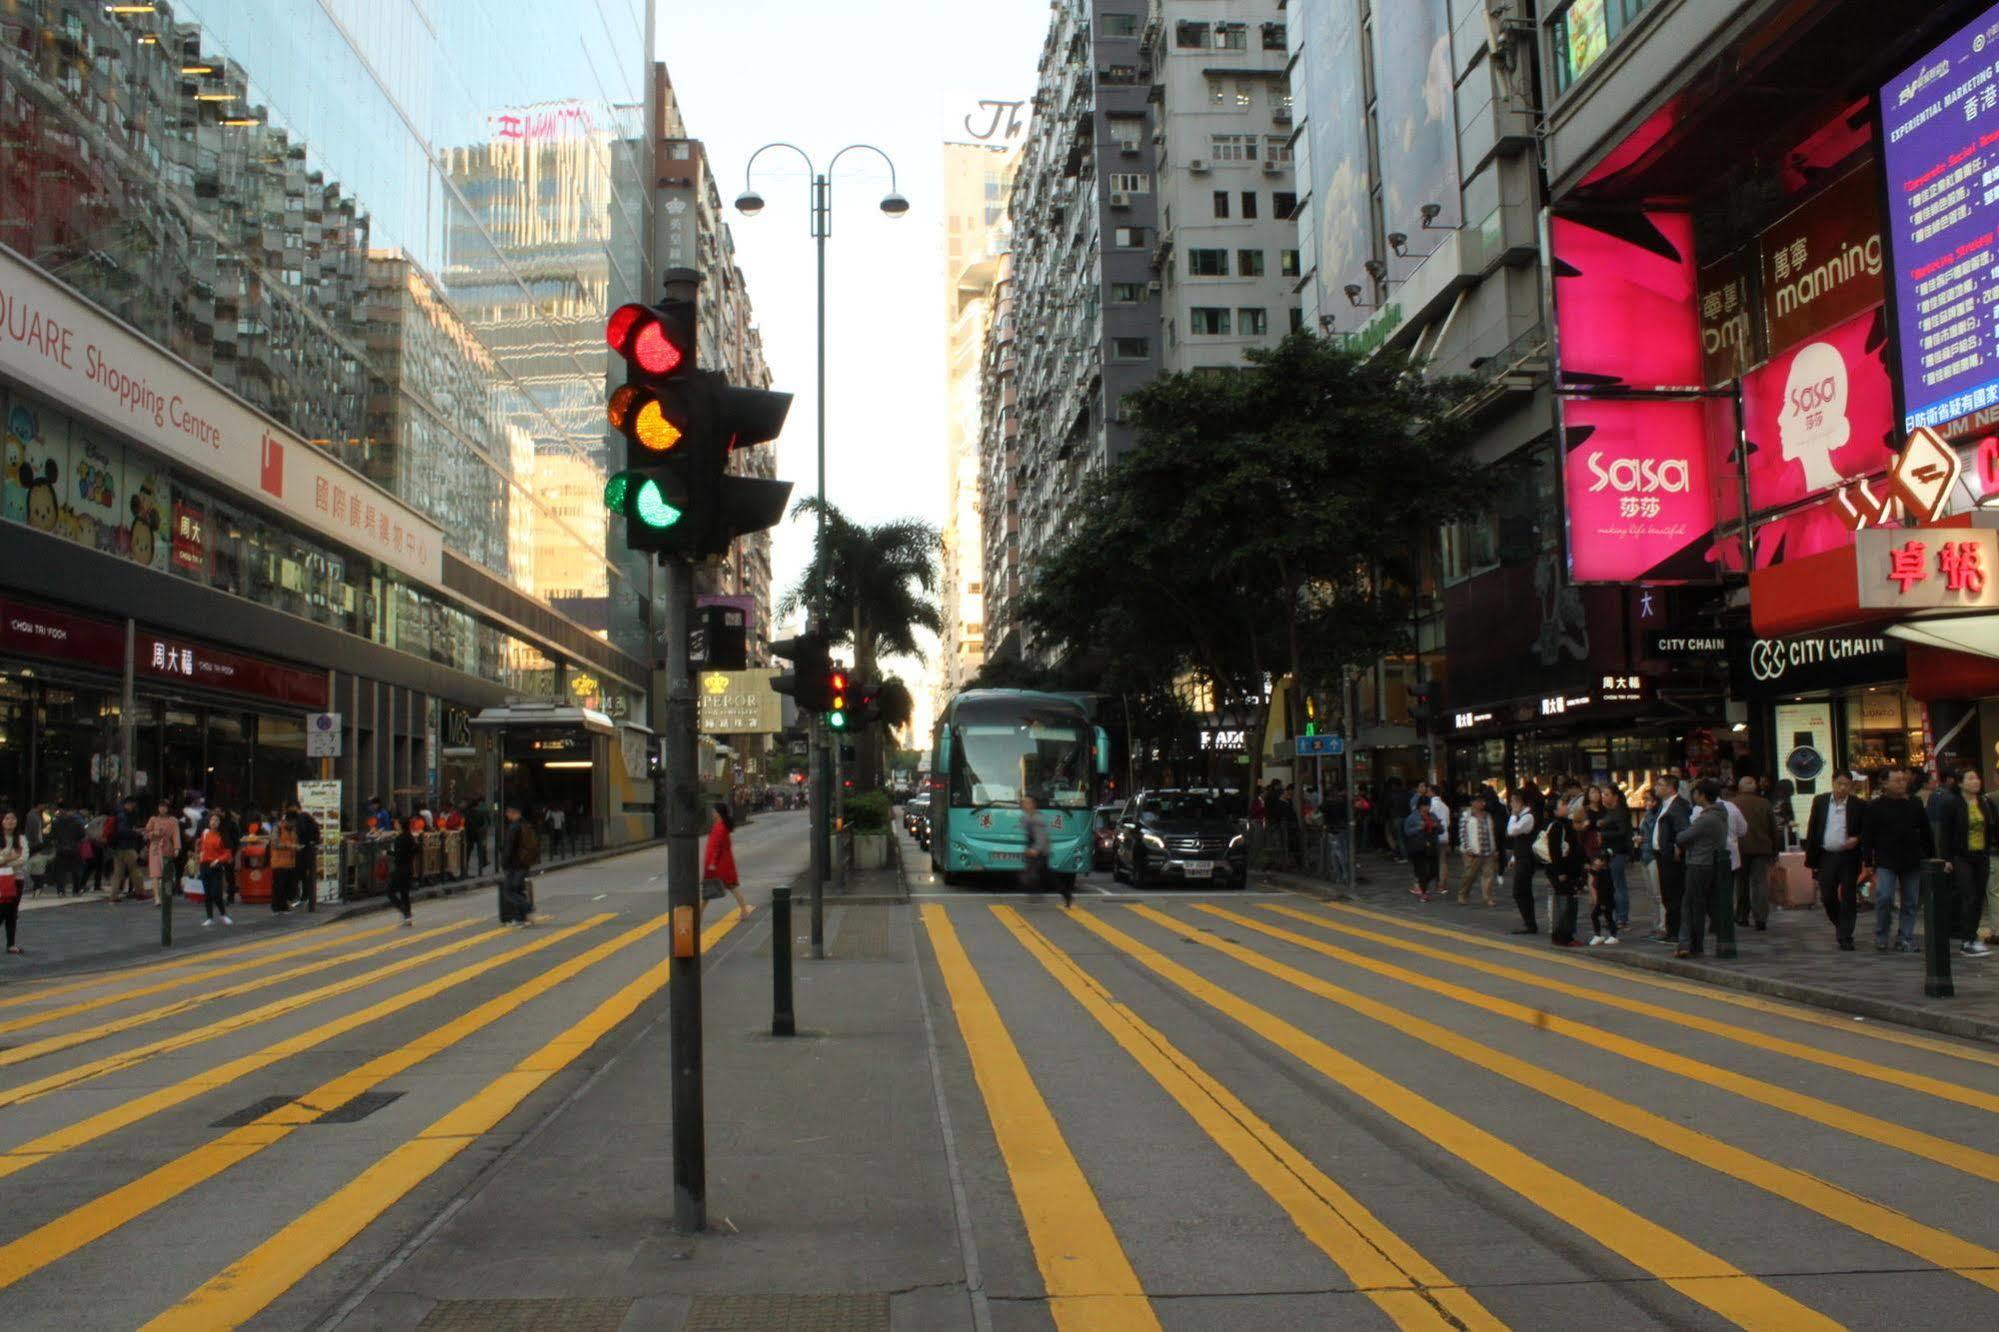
718	863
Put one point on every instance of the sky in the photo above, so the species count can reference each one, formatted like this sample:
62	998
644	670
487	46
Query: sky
900	74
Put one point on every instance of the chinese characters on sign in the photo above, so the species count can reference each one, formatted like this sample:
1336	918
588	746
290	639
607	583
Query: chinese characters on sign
739	703
1928	568
1940	152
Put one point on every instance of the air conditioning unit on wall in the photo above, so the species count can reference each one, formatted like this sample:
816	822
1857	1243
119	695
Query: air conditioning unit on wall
1198	165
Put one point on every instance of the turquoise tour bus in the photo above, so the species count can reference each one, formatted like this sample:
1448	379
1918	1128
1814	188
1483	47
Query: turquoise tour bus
991	747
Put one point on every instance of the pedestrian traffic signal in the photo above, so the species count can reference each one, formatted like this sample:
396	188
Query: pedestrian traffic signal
836	699
811	668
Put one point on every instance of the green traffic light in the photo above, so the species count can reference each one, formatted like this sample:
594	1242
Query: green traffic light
614	492
837	720
651	507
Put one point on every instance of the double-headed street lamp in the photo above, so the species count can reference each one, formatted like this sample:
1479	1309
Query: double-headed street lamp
750	203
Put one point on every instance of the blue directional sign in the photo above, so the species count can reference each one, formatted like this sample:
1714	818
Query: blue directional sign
1320	746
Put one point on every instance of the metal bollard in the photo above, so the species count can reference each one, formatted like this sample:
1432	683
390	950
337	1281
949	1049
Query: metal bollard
1939	909
781	1021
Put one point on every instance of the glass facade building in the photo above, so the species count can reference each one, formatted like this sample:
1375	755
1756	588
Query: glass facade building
393	229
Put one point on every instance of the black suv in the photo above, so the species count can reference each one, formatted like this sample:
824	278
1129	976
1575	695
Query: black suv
1180	836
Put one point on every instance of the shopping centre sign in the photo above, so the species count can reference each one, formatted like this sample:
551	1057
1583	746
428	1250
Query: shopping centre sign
739	703
55	343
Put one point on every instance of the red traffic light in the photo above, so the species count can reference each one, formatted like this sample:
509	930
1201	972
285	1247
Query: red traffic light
637	334
837	682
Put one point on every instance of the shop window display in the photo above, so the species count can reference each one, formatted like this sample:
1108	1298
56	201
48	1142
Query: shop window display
1884	729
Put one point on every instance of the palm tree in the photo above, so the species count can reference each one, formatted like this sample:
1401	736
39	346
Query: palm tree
879	585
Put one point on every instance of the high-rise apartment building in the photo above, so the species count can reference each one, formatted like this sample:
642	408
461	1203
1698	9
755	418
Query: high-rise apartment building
336	278
1150	213
977	179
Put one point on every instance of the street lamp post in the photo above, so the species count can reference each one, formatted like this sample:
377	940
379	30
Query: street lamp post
750	203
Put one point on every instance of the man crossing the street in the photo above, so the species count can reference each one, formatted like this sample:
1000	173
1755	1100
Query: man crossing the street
519	850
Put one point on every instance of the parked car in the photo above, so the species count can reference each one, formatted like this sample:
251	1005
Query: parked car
1103	842
1179	836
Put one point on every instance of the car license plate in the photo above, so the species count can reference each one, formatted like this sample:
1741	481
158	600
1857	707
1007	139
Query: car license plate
1198	869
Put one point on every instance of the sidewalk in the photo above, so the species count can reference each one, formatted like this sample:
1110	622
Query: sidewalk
829	1194
1797	958
72	934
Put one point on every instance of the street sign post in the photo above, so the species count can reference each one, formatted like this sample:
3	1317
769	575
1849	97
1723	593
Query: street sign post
322	735
1319	746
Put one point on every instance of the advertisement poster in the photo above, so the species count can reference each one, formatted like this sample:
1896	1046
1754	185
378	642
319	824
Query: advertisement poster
1821	414
1939	152
1337	126
322	801
76	484
1418	120
1804	752
1640	501
1626	311
1822	262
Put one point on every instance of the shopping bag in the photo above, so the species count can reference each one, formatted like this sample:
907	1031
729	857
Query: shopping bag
191	886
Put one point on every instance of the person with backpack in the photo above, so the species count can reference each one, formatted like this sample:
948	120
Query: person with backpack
520	850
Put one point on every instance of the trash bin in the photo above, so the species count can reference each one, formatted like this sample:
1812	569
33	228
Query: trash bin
253	870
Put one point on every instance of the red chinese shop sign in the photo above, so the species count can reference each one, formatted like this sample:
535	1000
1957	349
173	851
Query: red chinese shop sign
42	633
1927	568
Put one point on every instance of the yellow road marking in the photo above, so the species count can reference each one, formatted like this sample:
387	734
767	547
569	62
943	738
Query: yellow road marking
1090	1281
1939	1247
97	980
247	1286
99	1217
131	1112
1686	1267
1943	1151
1633	976
208	1031
161	987
1382	1265
20	1054
1948	1091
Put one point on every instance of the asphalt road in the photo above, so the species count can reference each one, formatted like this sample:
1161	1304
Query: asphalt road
1260	1111
1204	1110
293	1109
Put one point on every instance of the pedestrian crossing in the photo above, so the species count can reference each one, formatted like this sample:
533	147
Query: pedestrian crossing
323	1076
1630	1152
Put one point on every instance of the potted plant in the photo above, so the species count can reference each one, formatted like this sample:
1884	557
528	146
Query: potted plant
868	820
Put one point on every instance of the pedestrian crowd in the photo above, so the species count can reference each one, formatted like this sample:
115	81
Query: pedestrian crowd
1709	850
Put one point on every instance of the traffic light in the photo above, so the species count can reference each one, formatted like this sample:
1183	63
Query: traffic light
836	699
810	667
867	704
680	424
656	410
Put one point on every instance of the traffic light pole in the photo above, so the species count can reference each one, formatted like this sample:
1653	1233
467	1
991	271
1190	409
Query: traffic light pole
683	896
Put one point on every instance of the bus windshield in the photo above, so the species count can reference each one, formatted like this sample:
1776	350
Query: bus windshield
993	763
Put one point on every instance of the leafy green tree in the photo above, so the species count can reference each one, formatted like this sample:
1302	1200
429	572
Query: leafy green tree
1271	521
880	583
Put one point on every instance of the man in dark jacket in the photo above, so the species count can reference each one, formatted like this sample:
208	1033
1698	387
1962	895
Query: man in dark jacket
1896	838
1704	844
128	841
1675	817
1759	847
307	829
519	850
1832	851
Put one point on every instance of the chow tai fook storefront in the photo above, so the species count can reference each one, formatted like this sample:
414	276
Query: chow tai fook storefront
92	709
